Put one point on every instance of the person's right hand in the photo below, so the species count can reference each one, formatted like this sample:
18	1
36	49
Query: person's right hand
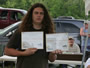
29	51
88	35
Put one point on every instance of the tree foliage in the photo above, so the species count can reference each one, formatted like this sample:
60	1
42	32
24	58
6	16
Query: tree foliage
56	8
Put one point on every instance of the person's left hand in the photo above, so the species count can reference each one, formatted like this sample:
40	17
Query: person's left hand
57	52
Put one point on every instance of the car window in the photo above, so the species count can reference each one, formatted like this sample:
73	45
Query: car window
61	27
70	28
19	16
3	15
16	16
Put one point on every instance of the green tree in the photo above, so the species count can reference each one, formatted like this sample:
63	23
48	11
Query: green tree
56	8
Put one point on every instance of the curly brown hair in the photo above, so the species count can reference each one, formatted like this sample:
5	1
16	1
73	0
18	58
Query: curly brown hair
47	24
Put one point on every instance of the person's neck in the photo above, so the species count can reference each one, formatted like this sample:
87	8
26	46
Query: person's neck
37	26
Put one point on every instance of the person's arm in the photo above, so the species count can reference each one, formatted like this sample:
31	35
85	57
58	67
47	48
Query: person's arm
53	55
88	66
14	52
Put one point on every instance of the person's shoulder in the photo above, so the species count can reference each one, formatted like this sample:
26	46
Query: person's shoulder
17	32
75	44
88	60
87	63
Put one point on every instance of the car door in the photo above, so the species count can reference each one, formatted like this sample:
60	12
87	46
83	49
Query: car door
6	33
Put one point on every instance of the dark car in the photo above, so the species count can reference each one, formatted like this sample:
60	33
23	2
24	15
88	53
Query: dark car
9	16
70	26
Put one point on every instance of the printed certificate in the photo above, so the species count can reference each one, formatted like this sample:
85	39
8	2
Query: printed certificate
32	40
57	41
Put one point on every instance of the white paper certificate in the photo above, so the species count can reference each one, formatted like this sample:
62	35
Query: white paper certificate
32	40
57	41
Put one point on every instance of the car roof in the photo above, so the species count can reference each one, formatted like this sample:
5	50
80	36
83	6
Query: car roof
77	22
13	9
68	19
65	17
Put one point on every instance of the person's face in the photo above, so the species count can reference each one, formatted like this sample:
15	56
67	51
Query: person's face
86	25
71	41
38	15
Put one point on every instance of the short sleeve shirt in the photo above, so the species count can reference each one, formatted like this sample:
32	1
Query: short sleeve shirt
37	60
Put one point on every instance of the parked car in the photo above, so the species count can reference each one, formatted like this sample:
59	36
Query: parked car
72	27
9	16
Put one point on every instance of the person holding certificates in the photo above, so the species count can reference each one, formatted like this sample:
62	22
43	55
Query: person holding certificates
36	19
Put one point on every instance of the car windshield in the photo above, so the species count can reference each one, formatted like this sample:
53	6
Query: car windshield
9	27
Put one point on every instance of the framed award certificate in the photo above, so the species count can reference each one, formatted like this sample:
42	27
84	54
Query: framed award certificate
57	41
32	40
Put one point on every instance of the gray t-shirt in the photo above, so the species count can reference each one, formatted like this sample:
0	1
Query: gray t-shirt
37	60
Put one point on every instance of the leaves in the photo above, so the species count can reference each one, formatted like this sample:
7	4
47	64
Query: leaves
56	8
